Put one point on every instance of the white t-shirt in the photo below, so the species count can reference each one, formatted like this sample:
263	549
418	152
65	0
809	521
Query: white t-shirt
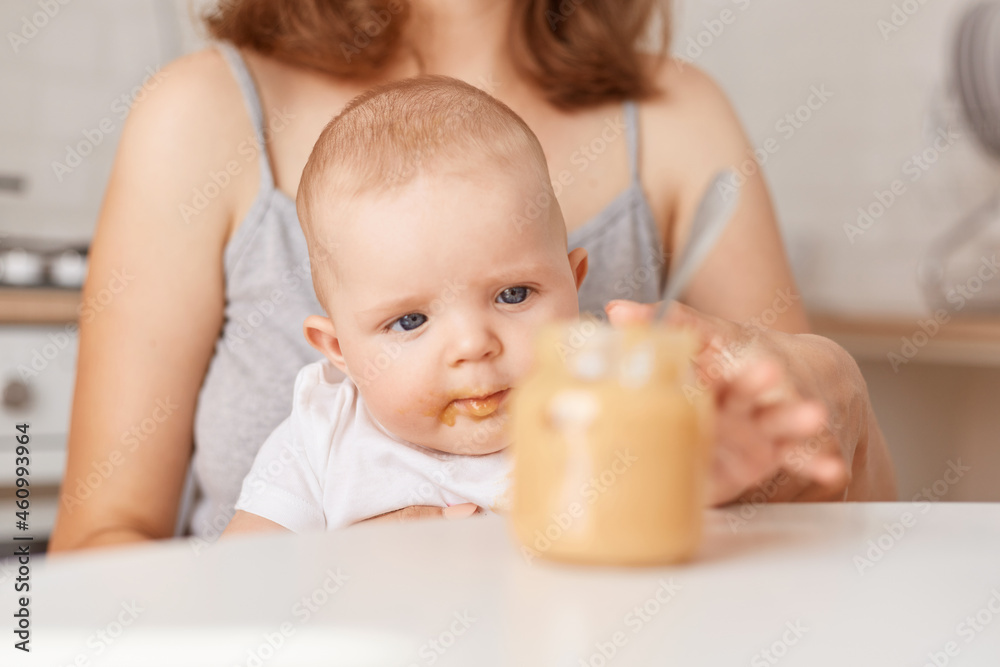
330	464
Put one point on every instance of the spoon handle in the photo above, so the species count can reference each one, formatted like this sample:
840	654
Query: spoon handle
710	219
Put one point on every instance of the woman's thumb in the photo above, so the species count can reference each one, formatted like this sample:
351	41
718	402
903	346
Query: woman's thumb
622	311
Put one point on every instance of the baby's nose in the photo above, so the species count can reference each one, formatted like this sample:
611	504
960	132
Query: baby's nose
473	343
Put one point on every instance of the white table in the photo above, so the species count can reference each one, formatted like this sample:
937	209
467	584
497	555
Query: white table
786	581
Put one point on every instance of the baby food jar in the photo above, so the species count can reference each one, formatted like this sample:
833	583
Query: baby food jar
610	438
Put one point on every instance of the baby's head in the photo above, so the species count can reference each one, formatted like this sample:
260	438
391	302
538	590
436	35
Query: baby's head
437	249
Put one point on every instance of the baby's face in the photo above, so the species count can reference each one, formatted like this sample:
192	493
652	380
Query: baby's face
440	293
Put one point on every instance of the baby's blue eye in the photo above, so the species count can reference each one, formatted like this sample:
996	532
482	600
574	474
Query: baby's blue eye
412	319
518	294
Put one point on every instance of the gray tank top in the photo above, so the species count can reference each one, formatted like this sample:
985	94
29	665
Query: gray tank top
247	390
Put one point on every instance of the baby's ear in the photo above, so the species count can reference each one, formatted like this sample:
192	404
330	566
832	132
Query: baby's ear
578	264
320	333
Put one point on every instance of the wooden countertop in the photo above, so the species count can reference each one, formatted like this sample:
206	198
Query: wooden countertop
963	341
38	305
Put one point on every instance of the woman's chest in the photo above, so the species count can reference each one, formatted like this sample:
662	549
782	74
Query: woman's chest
592	155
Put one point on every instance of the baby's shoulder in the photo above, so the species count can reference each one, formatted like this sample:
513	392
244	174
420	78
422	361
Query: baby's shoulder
322	381
323	399
333	410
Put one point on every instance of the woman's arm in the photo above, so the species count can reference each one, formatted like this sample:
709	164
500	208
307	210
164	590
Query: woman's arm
747	280
823	371
747	276
794	418
153	308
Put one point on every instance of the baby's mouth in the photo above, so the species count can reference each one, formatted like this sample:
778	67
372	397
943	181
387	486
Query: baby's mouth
481	406
474	406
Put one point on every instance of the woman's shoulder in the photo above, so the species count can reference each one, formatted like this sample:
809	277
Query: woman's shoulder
185	126
195	99
199	71
693	117
692	108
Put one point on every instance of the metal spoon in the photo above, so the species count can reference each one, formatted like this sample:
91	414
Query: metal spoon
713	213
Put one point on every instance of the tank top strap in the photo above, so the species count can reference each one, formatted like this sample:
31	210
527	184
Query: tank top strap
254	108
631	112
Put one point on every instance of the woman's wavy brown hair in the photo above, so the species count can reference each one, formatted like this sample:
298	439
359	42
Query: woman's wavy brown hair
579	53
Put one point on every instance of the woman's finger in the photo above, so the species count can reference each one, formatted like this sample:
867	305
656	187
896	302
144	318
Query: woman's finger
751	386
735	472
621	312
415	512
795	421
461	511
828	479
710	333
753	448
742	458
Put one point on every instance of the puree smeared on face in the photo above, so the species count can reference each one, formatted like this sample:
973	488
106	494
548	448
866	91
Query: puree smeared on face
473	407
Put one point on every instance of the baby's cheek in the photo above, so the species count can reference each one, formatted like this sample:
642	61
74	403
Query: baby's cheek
519	358
384	400
414	415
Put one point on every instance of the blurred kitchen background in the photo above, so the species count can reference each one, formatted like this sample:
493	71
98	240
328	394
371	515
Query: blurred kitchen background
874	167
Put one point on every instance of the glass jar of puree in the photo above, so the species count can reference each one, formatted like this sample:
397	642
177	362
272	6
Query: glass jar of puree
610	441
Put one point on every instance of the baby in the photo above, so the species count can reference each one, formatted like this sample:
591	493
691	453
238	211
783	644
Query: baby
412	207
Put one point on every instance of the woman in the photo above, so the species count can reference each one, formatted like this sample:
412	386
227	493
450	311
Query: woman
194	361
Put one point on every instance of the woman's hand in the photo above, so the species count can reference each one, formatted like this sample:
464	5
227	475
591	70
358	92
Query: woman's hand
428	512
770	439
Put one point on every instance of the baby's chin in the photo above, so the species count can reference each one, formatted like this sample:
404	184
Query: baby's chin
474	449
473	437
475	429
